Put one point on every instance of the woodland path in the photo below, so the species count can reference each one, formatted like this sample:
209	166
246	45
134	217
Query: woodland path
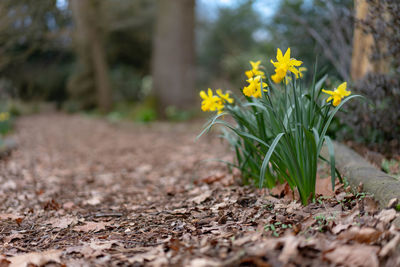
84	192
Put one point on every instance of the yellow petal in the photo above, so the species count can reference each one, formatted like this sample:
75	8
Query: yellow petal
255	65
336	101
328	92
277	78
286	57
210	93
295	62
203	94
342	87
279	55
249	74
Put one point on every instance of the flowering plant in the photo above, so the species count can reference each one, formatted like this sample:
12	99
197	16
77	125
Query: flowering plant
280	126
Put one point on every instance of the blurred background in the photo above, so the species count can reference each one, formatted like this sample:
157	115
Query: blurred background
145	60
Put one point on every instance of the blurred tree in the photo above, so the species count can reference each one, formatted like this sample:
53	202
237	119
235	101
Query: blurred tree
173	54
227	43
34	36
317	27
90	49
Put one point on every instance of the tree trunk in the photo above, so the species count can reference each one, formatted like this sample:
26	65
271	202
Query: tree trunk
91	49
173	54
363	44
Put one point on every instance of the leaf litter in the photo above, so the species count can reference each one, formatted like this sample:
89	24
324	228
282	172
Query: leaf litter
84	192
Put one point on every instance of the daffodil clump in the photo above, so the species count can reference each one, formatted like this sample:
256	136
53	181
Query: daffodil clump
279	125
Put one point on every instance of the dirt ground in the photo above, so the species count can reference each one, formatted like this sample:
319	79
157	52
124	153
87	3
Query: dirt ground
80	191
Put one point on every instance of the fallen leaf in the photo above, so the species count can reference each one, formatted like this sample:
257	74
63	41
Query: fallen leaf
4	263
203	263
36	258
289	249
211	179
6	216
201	198
365	235
390	246
100	245
68	205
91	226
151	255
94	201
324	187
355	255
387	216
62	222
370	205
12	237
340	227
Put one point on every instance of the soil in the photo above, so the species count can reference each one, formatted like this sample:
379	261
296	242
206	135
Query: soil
80	191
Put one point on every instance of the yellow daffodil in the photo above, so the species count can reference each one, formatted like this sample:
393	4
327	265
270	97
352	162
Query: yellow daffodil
301	70
254	87
284	64
255	71
210	102
338	94
224	97
4	116
213	102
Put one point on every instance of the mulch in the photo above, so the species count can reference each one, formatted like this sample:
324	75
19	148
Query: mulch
79	191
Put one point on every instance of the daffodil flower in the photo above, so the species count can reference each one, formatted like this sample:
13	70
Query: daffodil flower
4	116
338	94
213	102
301	70
284	64
255	70
210	102
225	97
254	87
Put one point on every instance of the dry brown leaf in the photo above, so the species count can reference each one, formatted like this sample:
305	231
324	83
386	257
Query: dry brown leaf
6	216
4	262
387	216
151	255
95	200
324	187
202	262
37	258
289	249
62	222
91	226
355	255
201	198
13	236
390	246
370	205
68	205
340	227
365	235
100	245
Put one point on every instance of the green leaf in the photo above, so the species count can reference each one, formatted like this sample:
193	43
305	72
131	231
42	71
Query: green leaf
267	157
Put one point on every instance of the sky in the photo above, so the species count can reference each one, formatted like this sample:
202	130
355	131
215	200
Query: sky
266	8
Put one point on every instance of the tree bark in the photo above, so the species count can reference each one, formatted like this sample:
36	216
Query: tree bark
173	54
91	48
363	44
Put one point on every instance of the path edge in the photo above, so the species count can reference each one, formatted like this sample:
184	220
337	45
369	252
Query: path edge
358	171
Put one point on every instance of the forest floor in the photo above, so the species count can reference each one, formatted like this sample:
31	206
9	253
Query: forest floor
80	191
